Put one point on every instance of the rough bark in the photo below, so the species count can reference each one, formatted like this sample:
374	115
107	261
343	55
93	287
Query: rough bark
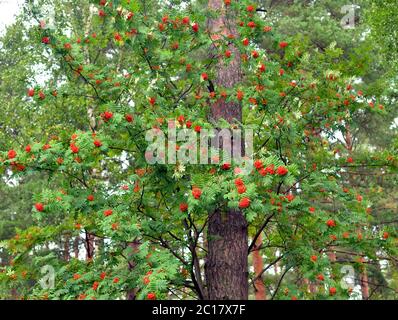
76	244
89	246
66	248
135	248
258	265
364	282
226	264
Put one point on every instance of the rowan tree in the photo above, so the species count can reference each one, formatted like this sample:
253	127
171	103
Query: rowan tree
153	230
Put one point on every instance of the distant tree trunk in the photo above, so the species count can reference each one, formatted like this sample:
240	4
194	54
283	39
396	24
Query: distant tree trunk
363	280
258	265
76	243
135	247
89	246
226	266
363	277
66	248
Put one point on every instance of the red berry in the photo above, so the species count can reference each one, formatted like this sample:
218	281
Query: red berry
281	171
244	203
95	285
320	277
161	27
312	209
45	40
314	258
90	197
332	291
204	76
226	166
115	280
108	212
196	192
385	235
12	154
152	100
76	276
31	92
107	115
117	37
239	95
28	148
290	197
74	148
283	44
331	223
195	27
128	117
245	42
97	143
239	182
270	169
39	206
241	189
258	164
151	296
183	207
185	20
250	8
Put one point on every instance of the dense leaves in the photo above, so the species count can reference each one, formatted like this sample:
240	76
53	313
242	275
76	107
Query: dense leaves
124	69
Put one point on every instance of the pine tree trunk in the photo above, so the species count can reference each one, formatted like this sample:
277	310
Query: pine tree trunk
258	265
66	248
364	284
76	243
89	246
226	266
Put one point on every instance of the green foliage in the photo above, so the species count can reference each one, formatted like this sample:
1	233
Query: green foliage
149	65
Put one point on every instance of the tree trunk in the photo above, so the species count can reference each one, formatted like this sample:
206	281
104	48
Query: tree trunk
66	248
135	248
226	264
76	244
363	279
89	246
258	265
